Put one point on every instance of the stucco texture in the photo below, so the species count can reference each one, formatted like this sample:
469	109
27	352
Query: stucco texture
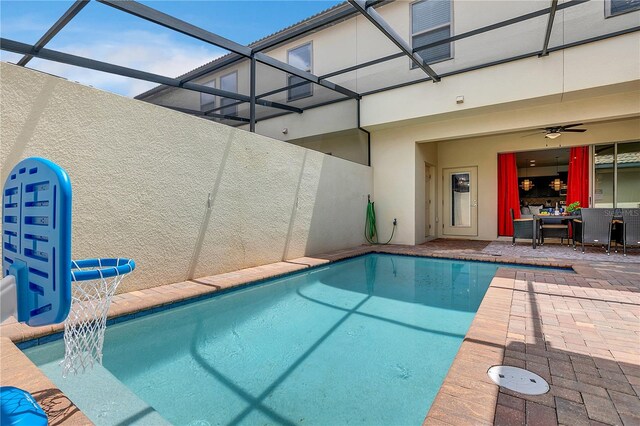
183	196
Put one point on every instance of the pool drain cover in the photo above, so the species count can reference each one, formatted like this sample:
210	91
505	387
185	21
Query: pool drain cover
518	380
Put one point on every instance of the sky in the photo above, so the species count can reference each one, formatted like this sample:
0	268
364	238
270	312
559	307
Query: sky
106	34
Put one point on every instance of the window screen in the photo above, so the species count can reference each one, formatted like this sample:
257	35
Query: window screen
300	57
431	22
229	83
208	101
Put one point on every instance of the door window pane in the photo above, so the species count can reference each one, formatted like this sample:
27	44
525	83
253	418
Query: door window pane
229	83
300	57
604	176
628	163
460	200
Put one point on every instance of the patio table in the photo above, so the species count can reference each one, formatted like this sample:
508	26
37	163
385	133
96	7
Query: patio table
555	218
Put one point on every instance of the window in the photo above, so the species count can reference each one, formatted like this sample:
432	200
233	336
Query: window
617	173
229	83
618	7
208	101
431	22
300	57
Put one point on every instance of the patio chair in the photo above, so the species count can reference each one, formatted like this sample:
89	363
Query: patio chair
553	227
631	228
522	228
593	228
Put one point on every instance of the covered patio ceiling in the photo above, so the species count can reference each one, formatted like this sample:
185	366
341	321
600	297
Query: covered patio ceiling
255	53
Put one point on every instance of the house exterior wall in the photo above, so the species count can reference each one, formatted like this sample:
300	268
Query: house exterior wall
592	83
350	145
560	76
313	122
356	41
184	197
402	195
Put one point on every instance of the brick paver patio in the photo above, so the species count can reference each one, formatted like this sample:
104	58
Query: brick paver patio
580	331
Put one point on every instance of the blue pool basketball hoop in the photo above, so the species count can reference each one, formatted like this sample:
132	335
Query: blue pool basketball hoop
36	243
41	284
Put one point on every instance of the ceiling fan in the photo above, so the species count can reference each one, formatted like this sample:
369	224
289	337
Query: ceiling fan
555	131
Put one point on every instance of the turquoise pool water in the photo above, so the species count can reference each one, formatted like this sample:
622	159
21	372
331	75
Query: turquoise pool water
364	341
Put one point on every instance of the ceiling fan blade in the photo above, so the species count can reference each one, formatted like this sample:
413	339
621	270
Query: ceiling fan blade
574	130
568	126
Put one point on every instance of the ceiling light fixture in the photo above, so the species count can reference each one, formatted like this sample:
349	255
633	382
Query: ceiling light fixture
552	135
557	183
527	183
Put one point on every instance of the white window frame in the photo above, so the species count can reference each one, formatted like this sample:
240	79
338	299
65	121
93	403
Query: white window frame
235	107
212	104
607	10
412	34
310	70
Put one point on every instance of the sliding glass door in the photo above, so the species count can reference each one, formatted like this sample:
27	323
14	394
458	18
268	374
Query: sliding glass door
617	175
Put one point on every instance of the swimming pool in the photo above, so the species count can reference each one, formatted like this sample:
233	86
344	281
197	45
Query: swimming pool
363	341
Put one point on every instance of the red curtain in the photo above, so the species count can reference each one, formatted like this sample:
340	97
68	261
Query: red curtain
578	178
508	194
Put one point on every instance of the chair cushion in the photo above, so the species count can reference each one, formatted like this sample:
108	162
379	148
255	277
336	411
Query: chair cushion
525	211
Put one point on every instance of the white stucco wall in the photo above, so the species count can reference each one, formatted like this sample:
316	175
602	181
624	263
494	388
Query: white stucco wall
399	165
350	144
142	176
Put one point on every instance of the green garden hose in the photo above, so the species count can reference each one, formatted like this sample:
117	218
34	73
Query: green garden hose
370	230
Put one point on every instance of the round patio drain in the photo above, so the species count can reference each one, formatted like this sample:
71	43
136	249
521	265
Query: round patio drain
518	380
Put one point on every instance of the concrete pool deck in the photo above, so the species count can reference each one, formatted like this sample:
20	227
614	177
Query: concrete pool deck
580	331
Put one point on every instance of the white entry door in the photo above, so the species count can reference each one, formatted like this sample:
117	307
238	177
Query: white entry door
460	201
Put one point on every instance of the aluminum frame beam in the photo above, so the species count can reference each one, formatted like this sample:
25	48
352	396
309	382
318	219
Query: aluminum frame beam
378	21
207	115
345	14
500	24
167	21
252	95
65	58
510	59
342	12
473	68
318	105
55	29
175	24
481	30
334	73
268	60
547	35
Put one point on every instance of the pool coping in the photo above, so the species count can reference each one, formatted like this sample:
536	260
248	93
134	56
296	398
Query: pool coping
491	315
